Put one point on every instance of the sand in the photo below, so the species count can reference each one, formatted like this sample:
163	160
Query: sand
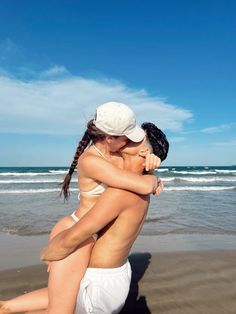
165	282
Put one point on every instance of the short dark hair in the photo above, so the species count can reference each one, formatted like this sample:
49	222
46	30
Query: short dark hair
157	139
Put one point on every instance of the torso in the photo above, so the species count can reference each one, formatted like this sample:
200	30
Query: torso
115	240
90	189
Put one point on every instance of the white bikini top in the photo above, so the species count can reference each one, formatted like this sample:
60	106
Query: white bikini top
100	188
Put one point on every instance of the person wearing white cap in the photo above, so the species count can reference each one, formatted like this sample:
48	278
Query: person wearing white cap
118	119
99	165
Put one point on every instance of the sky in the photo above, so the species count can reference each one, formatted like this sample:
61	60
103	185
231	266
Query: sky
172	62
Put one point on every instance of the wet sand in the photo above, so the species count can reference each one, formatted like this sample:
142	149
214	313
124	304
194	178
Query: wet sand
189	282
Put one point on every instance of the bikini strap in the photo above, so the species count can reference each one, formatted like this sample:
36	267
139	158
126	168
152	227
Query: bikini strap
99	152
73	215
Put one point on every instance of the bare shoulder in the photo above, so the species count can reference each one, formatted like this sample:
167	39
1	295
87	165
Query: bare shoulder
121	197
88	160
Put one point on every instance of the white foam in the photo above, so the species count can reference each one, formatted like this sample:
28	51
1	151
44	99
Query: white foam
199	188
168	179
33	191
207	179
194	172
162	170
33	181
49	173
225	171
58	171
19	174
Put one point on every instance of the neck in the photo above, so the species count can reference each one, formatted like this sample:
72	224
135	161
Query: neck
132	165
102	149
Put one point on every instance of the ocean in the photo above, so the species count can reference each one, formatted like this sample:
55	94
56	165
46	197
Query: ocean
195	200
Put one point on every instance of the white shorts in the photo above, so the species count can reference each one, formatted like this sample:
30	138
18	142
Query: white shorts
104	290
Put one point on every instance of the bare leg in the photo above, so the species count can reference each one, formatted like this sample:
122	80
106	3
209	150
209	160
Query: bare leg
63	284
38	299
31	301
64	280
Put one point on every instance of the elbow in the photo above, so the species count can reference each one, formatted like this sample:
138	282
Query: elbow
145	190
148	190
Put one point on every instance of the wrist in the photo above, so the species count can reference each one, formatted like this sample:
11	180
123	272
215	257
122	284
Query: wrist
155	184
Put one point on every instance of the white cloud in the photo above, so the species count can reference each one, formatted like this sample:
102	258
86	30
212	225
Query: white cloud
63	106
54	71
217	129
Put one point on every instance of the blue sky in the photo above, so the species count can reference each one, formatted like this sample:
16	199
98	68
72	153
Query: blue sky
173	62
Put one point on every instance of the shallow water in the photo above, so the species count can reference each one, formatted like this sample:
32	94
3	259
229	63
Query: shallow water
196	200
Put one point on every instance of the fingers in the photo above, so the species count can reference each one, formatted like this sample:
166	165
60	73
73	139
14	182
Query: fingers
152	162
160	188
49	266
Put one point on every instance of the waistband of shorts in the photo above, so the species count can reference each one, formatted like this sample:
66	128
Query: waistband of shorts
92	270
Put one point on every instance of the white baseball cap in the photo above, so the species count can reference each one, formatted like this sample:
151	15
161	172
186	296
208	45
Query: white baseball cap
118	119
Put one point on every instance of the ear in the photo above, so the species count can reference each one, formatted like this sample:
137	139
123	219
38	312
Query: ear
144	152
109	139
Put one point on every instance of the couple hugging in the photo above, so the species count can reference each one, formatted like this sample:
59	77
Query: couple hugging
88	251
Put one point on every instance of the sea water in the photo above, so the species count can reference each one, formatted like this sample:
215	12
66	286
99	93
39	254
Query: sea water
195	200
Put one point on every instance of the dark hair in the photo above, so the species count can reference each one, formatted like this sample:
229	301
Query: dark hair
157	139
92	134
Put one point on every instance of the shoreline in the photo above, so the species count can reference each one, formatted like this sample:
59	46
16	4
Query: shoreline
181	282
172	274
22	251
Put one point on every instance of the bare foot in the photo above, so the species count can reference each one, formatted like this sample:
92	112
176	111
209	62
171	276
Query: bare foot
3	308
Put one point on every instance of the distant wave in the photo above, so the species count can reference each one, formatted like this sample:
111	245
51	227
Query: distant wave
199	179
23	231
199	172
225	171
168	179
202	230
199	188
58	171
33	191
19	174
43	173
206	179
162	170
157	219
33	181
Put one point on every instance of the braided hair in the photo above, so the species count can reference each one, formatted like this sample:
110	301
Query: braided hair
157	139
92	134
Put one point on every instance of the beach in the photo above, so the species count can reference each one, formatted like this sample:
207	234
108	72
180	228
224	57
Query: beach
183	261
163	280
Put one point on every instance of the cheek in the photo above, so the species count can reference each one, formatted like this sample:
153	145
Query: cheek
115	147
122	143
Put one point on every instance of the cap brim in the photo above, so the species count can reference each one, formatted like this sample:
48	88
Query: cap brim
136	135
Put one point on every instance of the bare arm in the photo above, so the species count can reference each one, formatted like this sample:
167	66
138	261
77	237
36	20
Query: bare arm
104	211
103	171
